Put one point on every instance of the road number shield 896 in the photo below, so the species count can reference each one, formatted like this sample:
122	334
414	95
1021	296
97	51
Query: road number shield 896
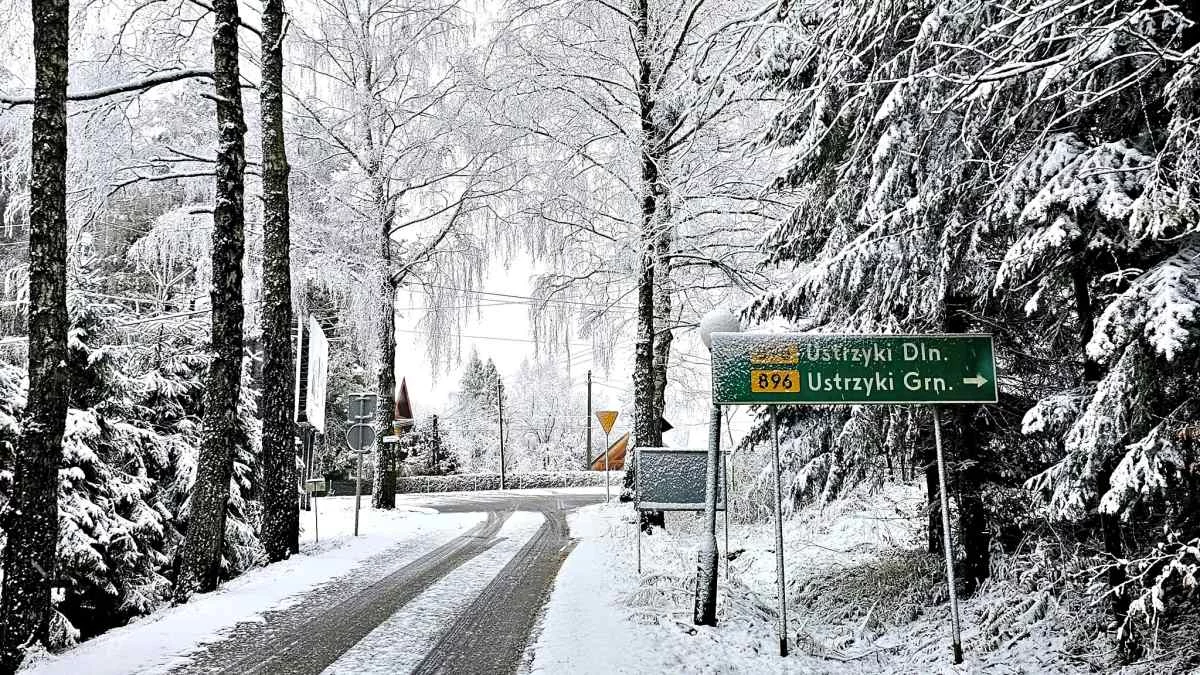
783	381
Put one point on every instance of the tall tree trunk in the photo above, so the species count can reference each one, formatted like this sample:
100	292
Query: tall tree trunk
281	518
933	508
974	530
646	429
202	548
30	519
383	489
1110	524
663	335
963	441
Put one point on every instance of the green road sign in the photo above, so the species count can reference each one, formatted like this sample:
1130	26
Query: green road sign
750	368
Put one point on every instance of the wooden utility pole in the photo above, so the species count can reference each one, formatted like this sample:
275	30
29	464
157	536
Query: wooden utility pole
588	441
500	402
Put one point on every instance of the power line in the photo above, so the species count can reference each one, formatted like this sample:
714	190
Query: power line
530	298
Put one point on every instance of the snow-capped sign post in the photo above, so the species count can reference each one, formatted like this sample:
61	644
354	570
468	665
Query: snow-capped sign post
802	369
705	610
312	486
360	409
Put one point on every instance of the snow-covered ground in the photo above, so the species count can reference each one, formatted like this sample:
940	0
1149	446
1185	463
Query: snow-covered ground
603	618
163	639
400	643
600	620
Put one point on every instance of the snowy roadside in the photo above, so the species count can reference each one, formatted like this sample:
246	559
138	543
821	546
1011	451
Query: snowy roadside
599	619
851	570
162	640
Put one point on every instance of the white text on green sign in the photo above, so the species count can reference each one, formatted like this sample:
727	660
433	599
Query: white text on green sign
753	368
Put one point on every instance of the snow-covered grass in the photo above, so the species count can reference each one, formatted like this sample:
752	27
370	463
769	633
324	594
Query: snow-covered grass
863	598
603	618
160	640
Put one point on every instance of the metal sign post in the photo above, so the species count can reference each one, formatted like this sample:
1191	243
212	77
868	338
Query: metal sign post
947	542
772	369
705	610
607	419
360	437
779	571
310	486
725	485
637	498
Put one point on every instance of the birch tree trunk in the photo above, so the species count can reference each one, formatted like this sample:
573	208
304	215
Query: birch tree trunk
202	547
30	519
383	488
646	430
281	524
663	335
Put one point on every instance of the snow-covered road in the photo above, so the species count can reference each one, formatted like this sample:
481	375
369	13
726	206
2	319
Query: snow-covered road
448	583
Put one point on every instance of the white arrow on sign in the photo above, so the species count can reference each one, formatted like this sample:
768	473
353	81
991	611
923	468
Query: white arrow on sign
978	380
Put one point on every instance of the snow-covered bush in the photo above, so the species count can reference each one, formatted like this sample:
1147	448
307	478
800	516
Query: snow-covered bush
963	166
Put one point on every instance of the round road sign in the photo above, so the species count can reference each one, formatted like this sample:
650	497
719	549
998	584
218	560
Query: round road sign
360	437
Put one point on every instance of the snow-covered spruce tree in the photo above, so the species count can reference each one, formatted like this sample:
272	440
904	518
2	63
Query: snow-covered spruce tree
115	532
129	456
472	428
931	140
1098	225
882	238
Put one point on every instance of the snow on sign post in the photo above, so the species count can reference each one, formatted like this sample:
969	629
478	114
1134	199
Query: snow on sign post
806	369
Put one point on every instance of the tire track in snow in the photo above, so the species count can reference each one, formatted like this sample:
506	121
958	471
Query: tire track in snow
304	640
401	642
491	635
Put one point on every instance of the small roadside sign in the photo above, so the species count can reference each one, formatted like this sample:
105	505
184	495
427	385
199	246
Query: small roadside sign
750	368
316	485
673	479
361	406
390	439
607	419
360	437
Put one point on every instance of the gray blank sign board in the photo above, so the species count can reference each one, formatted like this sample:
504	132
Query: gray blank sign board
672	479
